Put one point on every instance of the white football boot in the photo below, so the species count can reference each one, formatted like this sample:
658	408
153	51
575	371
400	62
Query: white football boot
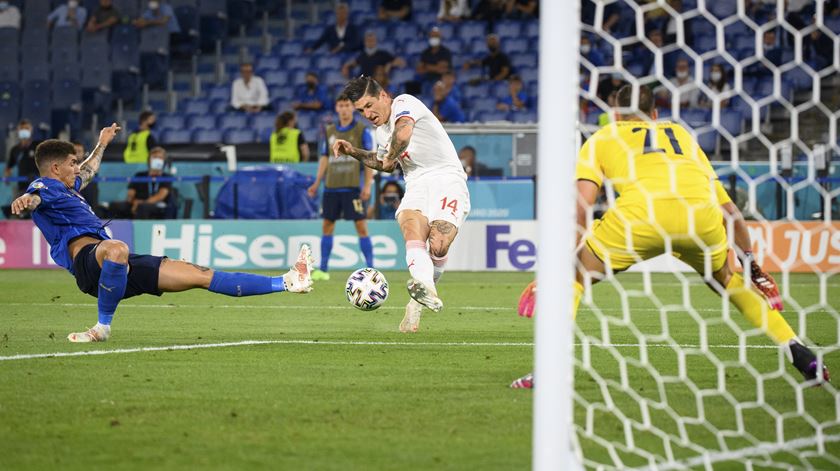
411	321
299	277
423	294
97	333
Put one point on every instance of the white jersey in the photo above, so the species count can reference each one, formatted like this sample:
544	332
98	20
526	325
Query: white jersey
430	151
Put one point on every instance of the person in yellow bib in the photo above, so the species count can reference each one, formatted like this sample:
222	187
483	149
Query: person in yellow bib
287	142
669	201
141	141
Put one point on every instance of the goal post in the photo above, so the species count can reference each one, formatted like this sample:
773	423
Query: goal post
556	193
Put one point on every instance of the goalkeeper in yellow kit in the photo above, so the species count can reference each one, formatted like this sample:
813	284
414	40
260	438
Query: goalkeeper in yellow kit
670	200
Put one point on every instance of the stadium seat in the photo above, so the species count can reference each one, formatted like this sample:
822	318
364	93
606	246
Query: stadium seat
10	37
9	104
66	71
470	30
154	69
189	3
480	90
523	61
207	136
66	93
233	120
187	42
731	121
402	75
195	106
482	105
124	34
333	78
33	68
239	136
212	24
532	29
401	29
490	116
34	13
268	63
499	90
329	62
129	8
10	72
201	121
723	9
64	36
708	142
219	92
529	76
262	121
96	74
695	118
297	62
219	106
478	46
176	136
454	44
413	47
290	48
276	77
240	15
154	39
310	33
704	43
508	29
170	121
36	105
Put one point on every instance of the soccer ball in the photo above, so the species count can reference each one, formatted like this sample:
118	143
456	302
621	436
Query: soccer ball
367	289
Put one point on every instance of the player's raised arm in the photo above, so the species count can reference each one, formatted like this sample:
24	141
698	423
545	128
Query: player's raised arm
25	202
91	165
367	158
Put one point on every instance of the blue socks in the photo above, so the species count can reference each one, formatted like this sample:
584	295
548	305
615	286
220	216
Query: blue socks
367	250
112	280
245	284
326	250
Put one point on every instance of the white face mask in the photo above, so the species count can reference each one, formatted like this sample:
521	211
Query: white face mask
715	76
156	164
682	74
370	50
24	133
585	48
434	42
154	5
72	4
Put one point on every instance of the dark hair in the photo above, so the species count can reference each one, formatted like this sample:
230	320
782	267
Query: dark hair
362	86
400	189
343	97
624	100
471	149
51	150
145	115
24	122
282	121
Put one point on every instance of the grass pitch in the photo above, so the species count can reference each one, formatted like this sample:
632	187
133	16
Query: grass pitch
342	389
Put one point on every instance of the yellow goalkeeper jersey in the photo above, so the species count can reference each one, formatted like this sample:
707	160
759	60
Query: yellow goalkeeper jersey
649	160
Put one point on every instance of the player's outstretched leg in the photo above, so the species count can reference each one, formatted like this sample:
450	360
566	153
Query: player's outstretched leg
411	320
112	257
760	314
297	280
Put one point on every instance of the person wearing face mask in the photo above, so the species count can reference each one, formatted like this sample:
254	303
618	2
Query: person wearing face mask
496	64
312	96
70	14
22	156
158	13
103	18
718	84
589	53
9	15
389	200
371	58
146	199
139	142
436	60
689	93
343	36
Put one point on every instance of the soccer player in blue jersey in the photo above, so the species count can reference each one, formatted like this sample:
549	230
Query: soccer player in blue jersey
103	266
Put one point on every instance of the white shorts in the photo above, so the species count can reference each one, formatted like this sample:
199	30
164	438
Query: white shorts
439	198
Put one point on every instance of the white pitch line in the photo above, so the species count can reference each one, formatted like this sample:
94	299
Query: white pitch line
761	449
245	343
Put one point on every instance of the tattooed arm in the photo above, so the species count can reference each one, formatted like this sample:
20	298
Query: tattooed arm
91	164
27	201
400	138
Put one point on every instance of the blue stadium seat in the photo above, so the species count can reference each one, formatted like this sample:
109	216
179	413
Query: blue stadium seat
482	105
9	104
470	30
65	36
723	9
207	136
240	15
508	29
402	75
480	90
532	29
412	47
707	141
187	42
219	106
189	3
36	105
35	12
264	135
171	121
424	5
124	34
529	76
10	37
401	29
704	43
523	116
176	136
524	61
333	78
154	39
67	94
329	62
276	77
743	42
263	121
125	57
499	90
96	74
799	78
129	8
478	46
212	25
34	68
66	71
290	48
240	136
488	116
233	120
195	106
731	121
201	121
695	118
154	68
268	63
454	44
219	92
10	72
517	46
310	33
212	7
297	62
283	92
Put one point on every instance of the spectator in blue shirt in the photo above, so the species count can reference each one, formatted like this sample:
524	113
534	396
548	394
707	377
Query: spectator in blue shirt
312	96
589	53
70	14
158	14
452	88
445	108
517	99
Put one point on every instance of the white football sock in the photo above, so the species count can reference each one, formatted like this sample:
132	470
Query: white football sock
440	266
419	263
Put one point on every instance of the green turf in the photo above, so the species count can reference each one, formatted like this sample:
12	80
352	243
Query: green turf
399	403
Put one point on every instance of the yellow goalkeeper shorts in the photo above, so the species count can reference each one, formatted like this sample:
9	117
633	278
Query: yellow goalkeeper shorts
629	234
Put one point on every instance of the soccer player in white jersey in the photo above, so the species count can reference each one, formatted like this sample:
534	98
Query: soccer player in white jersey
436	200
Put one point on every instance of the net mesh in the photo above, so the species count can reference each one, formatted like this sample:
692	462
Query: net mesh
668	374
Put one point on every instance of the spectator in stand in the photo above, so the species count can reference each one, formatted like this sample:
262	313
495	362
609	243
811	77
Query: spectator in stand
453	10
647	58
147	199
452	89
22	156
521	9
611	84
371	58
395	10
248	92
471	165
445	108
158	13
103	18
435	60
682	80
718	84
490	10
287	142
9	15
496	64
71	14
343	36
140	142
772	51
312	96
517	99
384	80
590	53
818	49
389	200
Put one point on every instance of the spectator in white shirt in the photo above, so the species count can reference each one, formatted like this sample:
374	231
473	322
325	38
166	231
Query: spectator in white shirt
9	15
453	10
249	93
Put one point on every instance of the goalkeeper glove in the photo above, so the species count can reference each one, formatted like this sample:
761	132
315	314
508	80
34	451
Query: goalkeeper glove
528	300
763	282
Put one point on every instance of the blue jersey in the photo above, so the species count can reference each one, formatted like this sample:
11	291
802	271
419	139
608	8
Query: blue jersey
62	216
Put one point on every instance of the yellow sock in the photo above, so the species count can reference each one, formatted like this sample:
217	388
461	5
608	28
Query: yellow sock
578	293
757	311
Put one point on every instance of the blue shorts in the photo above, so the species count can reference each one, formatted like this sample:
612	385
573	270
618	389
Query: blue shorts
143	272
343	204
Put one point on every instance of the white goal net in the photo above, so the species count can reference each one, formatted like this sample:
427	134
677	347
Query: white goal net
668	374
